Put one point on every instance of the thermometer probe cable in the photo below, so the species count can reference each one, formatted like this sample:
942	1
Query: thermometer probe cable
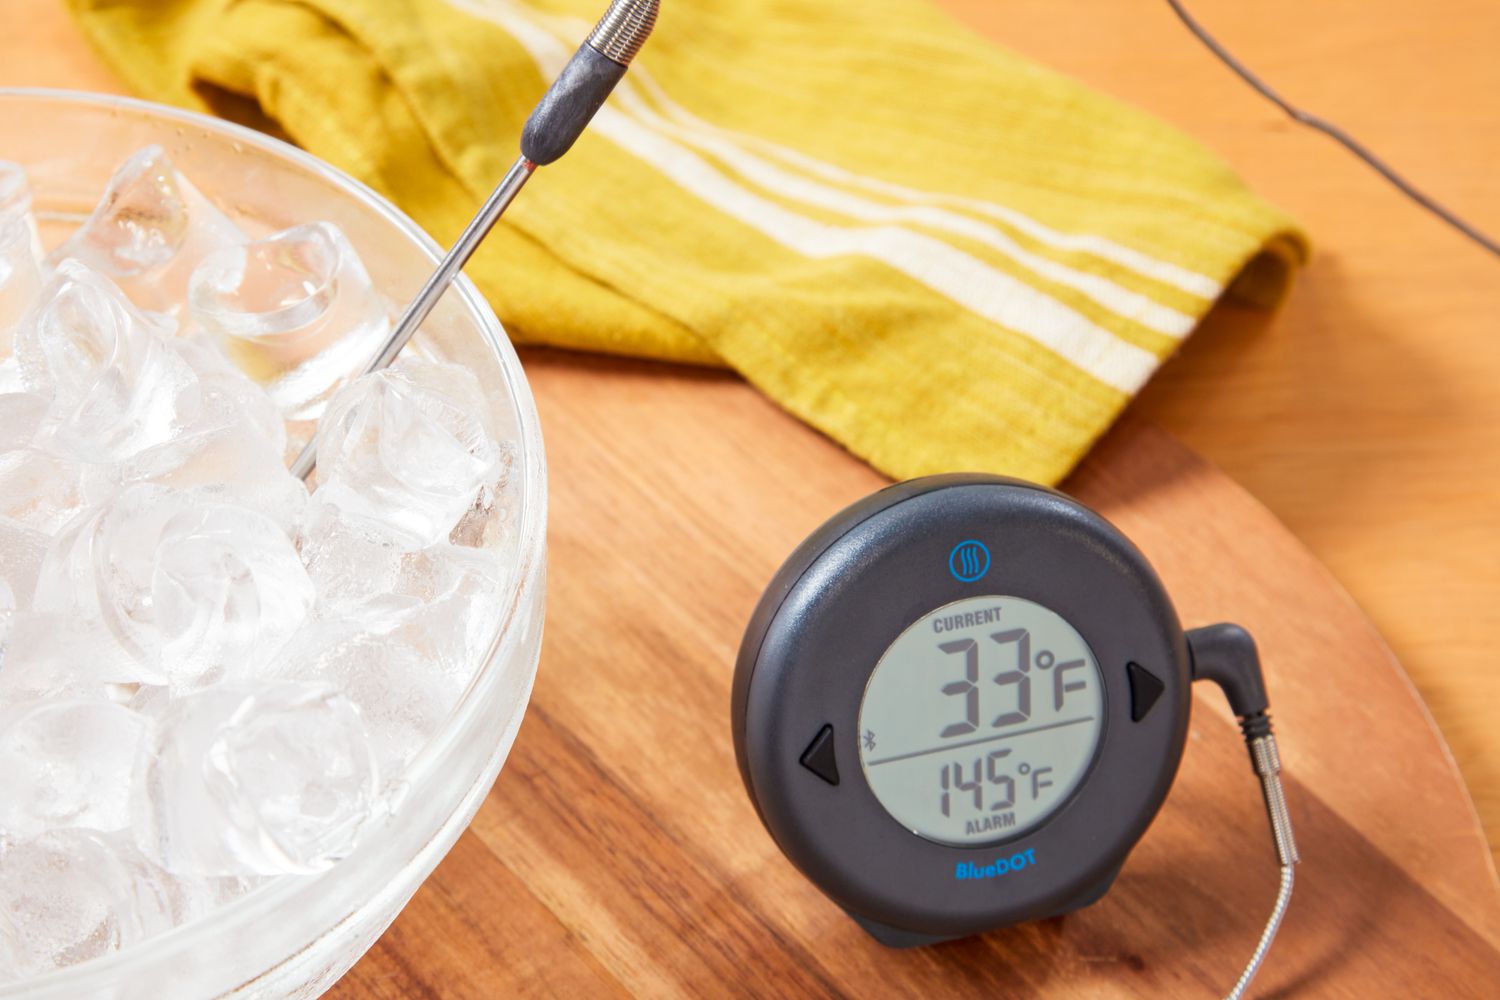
1333	131
1226	655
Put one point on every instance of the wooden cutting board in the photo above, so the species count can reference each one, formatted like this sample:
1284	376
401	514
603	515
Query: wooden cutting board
618	853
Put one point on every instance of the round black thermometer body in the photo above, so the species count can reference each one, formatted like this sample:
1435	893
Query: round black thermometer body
960	704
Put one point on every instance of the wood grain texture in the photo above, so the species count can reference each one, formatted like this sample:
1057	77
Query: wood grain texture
618	853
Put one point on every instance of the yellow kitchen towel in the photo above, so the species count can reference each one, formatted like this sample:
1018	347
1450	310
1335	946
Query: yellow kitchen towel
941	254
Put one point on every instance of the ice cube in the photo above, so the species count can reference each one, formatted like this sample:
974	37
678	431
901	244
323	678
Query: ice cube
20	277
443	601
10	376
225	388
351	562
401	632
296	311
20	281
409	448
21	414
269	779
98	572
491	522
402	697
73	895
60	656
67	763
106	366
227	590
456	606
21	552
7	615
228	442
38	489
192	589
16	204
149	231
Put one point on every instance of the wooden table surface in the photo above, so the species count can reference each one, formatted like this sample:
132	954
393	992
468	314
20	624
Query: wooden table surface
1363	416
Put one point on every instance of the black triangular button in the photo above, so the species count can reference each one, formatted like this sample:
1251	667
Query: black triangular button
818	757
1145	688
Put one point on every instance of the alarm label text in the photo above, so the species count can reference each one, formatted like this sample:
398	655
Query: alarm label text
984	824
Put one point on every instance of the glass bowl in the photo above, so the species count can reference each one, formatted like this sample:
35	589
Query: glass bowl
295	936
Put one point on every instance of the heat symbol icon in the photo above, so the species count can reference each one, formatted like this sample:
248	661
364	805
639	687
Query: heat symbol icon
969	561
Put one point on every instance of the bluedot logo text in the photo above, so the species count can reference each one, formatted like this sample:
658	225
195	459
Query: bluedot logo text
1003	866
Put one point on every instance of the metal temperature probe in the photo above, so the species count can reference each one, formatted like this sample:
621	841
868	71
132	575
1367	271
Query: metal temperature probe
555	124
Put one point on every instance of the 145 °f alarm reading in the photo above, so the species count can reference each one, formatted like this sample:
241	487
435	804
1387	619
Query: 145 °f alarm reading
980	720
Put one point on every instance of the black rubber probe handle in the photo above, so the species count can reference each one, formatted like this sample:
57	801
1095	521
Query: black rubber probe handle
569	105
573	99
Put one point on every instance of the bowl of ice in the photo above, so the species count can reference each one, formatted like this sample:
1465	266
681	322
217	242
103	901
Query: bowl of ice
241	717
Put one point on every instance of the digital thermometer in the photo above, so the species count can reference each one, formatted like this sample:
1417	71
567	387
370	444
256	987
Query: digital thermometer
961	702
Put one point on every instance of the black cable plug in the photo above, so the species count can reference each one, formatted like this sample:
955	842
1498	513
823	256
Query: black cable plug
1226	654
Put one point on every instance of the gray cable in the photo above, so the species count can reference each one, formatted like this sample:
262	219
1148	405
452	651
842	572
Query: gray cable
1267	762
1283	898
1333	131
